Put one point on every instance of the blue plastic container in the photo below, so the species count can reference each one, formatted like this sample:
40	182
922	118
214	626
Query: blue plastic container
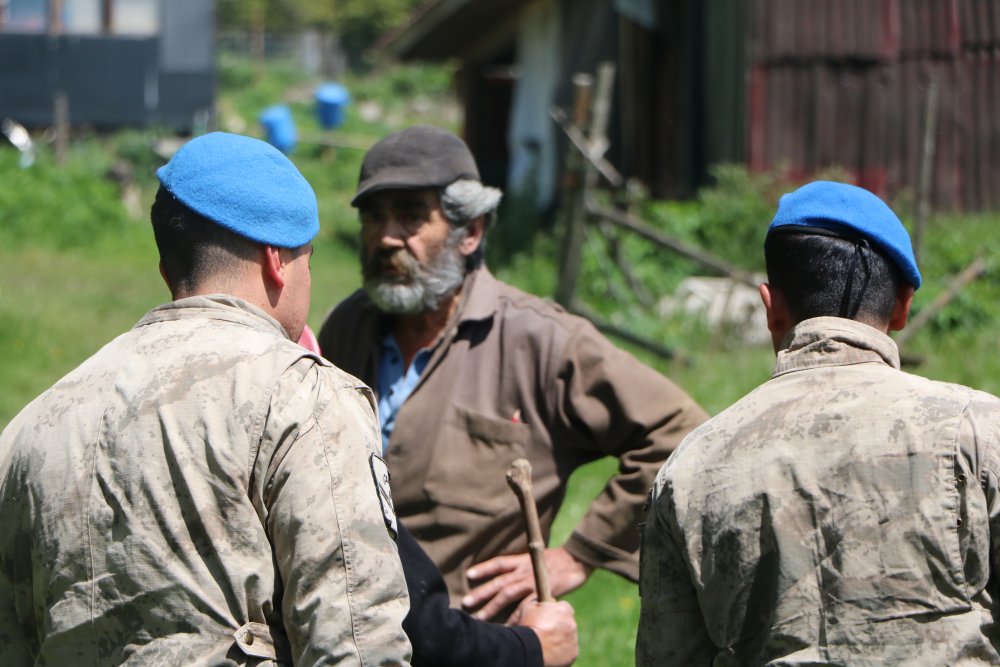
331	100
279	127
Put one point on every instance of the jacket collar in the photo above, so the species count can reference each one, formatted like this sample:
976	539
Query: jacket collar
480	296
478	302
214	306
834	341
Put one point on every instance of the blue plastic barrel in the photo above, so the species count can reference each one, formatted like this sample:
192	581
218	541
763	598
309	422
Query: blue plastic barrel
279	127
331	100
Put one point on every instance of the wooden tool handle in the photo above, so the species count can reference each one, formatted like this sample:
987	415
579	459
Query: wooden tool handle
519	479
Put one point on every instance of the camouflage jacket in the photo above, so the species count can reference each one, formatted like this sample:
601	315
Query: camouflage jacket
199	492
843	513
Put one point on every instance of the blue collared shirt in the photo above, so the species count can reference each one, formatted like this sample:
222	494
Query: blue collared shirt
395	384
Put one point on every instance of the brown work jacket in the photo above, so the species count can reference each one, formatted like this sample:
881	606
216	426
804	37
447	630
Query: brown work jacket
577	397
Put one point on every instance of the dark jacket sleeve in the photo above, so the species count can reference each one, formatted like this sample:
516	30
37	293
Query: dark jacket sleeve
446	637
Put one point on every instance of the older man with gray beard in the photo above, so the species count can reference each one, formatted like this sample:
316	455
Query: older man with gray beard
398	282
472	373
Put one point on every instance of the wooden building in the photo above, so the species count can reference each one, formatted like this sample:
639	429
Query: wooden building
799	84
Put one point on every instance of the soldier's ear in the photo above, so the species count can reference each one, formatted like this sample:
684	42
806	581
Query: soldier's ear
901	309
274	267
779	320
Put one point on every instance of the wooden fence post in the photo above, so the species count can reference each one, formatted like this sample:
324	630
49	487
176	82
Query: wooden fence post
55	17
926	164
60	113
573	196
583	173
598	134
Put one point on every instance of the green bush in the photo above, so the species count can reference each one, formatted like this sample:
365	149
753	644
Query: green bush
728	219
951	244
60	206
397	83
233	73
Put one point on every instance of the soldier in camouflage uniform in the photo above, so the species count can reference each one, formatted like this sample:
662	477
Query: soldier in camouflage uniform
203	491
844	512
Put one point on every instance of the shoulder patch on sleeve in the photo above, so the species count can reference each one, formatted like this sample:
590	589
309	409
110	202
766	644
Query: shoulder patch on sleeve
380	472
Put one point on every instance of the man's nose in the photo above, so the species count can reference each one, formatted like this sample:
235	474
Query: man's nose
394	233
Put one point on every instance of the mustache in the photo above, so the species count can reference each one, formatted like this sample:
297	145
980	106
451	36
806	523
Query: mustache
386	260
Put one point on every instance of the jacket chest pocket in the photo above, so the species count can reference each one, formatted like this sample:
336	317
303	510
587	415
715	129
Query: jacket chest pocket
469	462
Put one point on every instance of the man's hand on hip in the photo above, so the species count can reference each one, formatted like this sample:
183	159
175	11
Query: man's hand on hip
506	580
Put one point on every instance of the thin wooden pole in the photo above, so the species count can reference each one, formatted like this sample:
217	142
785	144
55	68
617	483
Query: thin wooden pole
926	165
602	115
597	144
107	16
55	17
61	113
573	195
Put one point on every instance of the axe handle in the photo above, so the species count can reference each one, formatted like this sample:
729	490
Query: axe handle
519	479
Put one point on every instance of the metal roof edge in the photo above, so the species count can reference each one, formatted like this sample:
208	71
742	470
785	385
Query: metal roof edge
425	20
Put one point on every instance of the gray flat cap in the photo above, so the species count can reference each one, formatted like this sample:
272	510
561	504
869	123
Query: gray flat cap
422	156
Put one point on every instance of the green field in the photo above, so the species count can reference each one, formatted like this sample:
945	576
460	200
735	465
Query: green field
78	270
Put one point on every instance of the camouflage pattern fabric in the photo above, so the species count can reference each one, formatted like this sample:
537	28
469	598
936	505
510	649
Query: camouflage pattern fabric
199	492
843	513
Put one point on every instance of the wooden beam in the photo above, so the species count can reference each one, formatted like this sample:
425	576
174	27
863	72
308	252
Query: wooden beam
662	239
107	16
623	334
423	22
958	283
579	142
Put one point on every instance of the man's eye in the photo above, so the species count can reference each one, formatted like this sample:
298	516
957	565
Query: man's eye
412	217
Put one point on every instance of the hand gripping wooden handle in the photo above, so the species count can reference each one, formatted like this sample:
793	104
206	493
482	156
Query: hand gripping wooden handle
519	479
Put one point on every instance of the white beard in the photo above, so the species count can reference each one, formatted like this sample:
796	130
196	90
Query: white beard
425	288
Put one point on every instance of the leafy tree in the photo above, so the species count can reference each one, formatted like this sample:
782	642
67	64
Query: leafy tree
357	22
361	22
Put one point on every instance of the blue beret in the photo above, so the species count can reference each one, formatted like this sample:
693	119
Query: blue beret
245	185
850	211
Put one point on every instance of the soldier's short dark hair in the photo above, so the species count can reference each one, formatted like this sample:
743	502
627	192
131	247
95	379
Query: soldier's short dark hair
192	247
829	276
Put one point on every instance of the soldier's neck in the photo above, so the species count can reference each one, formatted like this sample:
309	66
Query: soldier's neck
415	332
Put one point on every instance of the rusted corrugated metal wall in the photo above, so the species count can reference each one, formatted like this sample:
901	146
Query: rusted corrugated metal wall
845	82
